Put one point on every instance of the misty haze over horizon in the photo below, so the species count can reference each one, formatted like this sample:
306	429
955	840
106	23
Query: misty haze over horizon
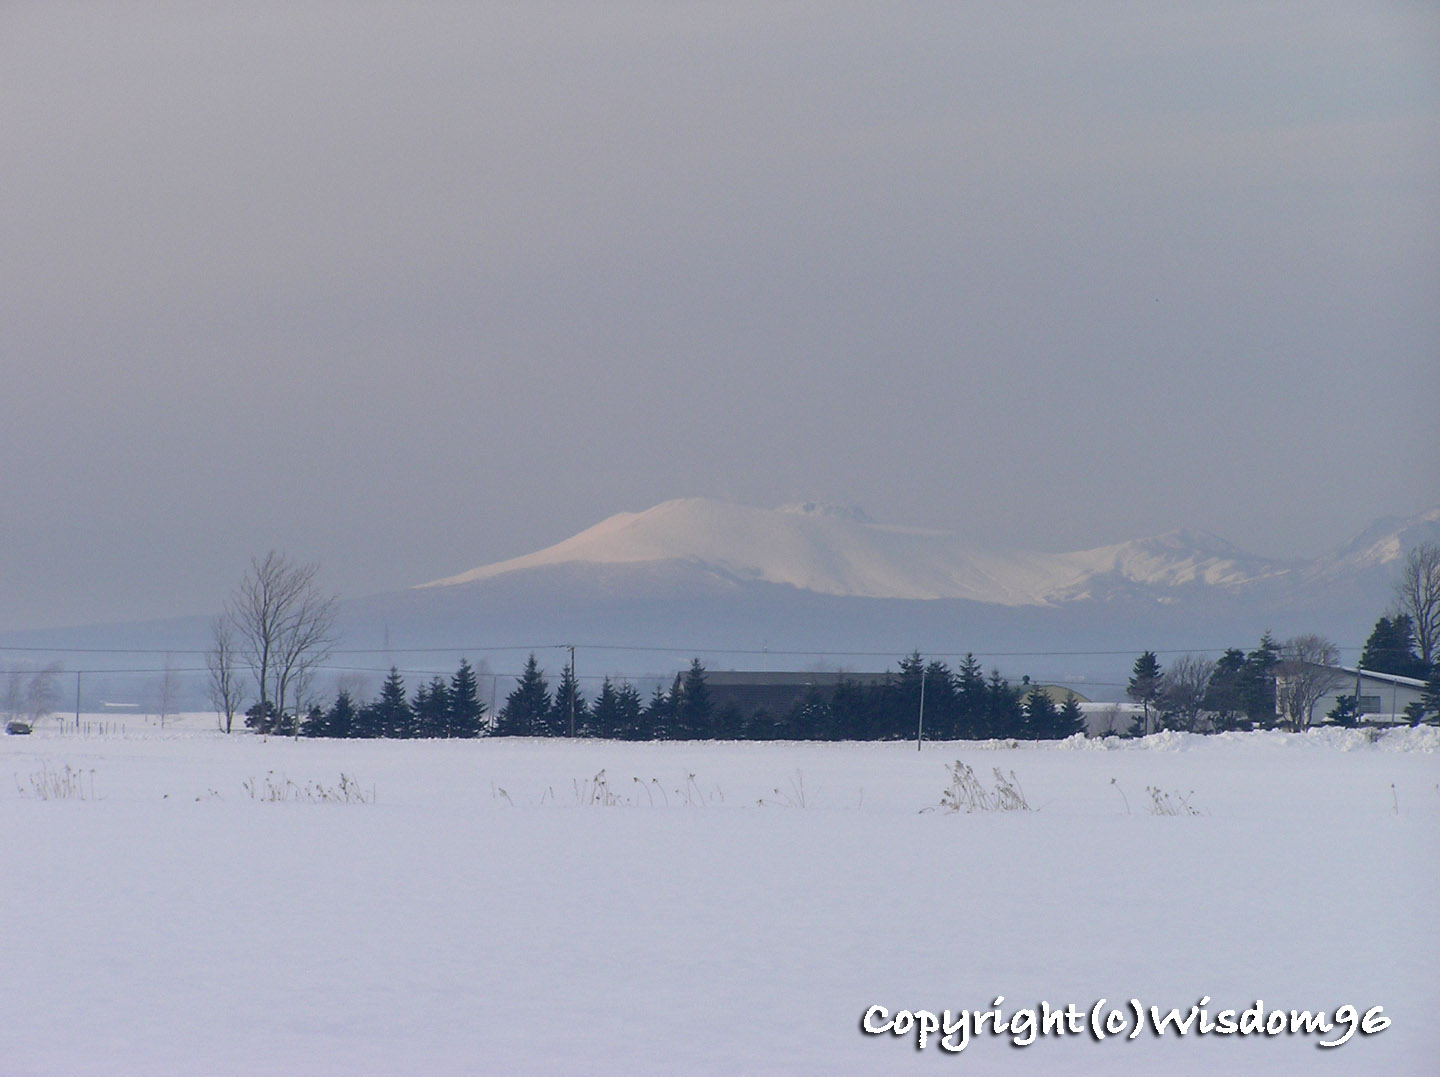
408	290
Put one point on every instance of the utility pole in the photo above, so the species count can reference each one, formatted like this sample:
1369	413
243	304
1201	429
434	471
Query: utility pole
574	689
77	701
920	725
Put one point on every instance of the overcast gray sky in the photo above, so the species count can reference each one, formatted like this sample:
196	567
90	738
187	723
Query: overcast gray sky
408	288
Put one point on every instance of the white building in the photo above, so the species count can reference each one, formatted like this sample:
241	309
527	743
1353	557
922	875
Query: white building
1383	696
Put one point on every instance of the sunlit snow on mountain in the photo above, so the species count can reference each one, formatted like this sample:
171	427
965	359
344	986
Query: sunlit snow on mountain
840	551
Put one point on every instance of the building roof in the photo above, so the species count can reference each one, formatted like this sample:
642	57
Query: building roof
1388	678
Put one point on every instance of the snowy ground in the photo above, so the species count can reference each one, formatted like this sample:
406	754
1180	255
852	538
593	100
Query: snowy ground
489	911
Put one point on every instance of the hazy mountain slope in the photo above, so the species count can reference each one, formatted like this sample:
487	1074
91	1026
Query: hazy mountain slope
832	552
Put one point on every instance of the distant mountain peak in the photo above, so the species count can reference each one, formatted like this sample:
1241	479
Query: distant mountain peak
1385	538
821	508
1188	538
839	550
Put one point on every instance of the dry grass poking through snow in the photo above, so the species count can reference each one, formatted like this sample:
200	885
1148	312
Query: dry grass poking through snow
968	794
67	784
348	791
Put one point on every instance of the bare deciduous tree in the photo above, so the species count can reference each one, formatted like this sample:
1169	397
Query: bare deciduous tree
1308	668
1183	695
285	625
226	692
304	644
1418	593
30	694
163	691
12	697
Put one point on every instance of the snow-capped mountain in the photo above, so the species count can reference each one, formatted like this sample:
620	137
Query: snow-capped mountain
840	551
1381	546
749	588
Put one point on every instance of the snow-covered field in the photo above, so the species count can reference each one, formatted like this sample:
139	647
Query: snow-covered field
596	907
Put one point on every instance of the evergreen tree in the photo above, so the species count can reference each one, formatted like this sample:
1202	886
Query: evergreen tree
1070	720
1430	697
285	724
367	723
432	710
1391	648
262	717
1225	694
729	723
605	713
854	710
658	717
340	718
810	717
971	704
1345	713
394	716
1042	717
1005	713
467	713
1146	682
762	725
567	710
628	710
527	708
941	702
694	713
314	723
1257	683
904	710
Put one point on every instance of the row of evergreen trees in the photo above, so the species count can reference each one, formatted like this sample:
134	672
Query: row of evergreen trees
959	704
438	709
1234	692
964	704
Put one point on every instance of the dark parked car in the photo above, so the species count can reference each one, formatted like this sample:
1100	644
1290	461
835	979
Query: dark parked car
17	727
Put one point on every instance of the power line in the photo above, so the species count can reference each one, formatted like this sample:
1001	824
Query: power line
669	648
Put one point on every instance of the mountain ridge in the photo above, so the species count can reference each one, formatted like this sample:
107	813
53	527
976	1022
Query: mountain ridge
840	551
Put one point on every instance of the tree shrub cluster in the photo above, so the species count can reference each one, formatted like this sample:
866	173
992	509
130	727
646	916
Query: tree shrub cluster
1275	685
1395	647
1204	695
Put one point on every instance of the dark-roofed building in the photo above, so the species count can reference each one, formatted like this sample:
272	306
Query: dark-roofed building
749	691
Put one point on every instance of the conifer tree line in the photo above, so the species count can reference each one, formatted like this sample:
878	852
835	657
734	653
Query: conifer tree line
438	709
960	704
